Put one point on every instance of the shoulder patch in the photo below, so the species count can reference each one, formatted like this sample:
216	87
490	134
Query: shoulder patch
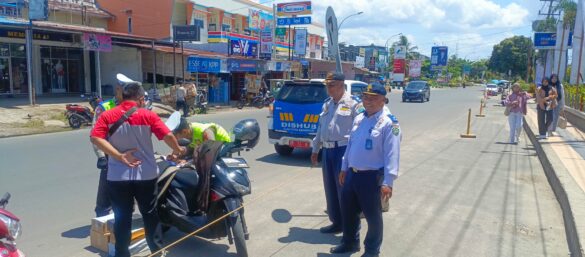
395	130
356	98
393	118
327	99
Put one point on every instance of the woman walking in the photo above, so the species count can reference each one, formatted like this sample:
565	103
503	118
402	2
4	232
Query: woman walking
558	86
517	104
546	102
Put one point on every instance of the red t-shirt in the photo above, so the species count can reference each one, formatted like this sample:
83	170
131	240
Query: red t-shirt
135	133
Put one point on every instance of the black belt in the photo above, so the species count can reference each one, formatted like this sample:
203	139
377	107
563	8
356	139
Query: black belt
354	170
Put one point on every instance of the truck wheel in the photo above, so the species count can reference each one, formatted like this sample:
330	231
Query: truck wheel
283	150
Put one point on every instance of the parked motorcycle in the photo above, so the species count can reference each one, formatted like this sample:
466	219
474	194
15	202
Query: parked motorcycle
258	101
10	229
199	105
179	205
78	115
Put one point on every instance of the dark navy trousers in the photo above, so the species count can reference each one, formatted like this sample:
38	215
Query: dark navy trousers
361	193
331	168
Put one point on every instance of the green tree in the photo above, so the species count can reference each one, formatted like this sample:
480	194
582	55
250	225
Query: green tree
569	10
511	55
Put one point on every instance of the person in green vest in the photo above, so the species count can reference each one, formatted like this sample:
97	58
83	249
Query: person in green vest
197	133
103	204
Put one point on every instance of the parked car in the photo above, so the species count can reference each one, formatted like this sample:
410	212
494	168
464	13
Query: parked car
294	116
417	90
491	89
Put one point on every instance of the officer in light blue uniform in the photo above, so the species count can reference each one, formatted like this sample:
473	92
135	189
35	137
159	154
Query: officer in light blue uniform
335	123
369	168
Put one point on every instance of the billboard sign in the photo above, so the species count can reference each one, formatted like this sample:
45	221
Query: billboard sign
545	40
38	10
243	47
259	20
187	33
301	41
400	52
399	66
294	21
414	67
359	61
266	42
439	56
97	42
293	9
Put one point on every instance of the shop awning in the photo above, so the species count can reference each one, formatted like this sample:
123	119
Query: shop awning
169	49
81	29
12	21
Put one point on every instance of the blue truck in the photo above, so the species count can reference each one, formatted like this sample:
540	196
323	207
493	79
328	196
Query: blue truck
294	115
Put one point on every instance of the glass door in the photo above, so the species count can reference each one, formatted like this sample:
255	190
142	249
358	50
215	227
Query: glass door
5	76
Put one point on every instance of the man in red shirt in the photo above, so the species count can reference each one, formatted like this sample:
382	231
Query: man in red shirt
124	134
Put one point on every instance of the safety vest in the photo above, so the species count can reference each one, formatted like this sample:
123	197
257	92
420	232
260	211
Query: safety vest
220	133
108	105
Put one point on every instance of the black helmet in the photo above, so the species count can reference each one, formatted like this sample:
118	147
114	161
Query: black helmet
247	132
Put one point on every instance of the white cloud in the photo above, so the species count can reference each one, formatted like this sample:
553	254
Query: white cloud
428	21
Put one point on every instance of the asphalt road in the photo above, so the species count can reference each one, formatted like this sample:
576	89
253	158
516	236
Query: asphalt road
454	197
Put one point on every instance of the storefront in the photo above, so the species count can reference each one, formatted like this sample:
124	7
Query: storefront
244	73
211	74
320	68
58	62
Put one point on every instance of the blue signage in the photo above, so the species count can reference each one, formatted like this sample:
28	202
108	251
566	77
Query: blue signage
294	21
242	65
439	56
207	65
243	47
545	40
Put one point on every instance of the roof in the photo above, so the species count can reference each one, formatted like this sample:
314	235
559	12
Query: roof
90	8
79	28
169	49
12	21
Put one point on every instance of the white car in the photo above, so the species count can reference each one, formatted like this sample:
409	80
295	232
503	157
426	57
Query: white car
491	89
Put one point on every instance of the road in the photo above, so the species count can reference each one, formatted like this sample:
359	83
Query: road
454	197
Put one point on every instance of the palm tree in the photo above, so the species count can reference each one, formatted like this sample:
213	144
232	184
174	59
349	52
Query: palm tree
569	9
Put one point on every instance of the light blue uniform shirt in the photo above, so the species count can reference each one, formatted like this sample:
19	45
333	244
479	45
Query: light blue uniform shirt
336	120
384	154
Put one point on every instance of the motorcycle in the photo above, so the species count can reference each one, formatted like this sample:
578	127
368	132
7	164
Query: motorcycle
199	105
179	204
258	101
10	229
78	115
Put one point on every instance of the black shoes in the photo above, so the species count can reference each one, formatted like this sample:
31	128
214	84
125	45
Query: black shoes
330	230
343	248
370	255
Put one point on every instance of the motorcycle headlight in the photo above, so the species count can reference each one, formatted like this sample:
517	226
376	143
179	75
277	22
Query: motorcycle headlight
240	183
13	226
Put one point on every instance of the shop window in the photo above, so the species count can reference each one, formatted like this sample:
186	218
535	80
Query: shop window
313	55
62	70
17	50
225	27
4	49
212	27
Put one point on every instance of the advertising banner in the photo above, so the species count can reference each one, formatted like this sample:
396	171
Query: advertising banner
414	68
399	66
400	52
97	42
293	9
266	42
259	20
294	21
362	52
242	65
243	47
359	61
301	41
439	56
187	33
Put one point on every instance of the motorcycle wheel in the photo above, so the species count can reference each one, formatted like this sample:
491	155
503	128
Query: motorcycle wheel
239	239
240	105
74	121
259	104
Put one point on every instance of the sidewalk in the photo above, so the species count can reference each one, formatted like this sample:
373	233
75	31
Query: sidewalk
563	159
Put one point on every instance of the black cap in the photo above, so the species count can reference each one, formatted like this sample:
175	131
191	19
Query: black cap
375	89
335	76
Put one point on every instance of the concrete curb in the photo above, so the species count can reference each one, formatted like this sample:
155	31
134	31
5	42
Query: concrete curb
568	193
576	118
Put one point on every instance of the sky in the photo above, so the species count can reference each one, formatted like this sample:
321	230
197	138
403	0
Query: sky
469	28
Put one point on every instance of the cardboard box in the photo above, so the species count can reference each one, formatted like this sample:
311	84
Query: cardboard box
99	240
100	224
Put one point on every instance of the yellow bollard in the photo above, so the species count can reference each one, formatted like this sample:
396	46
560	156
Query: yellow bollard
481	105
468	134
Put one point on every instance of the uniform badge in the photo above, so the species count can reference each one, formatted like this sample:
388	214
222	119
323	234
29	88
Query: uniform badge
393	118
395	130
